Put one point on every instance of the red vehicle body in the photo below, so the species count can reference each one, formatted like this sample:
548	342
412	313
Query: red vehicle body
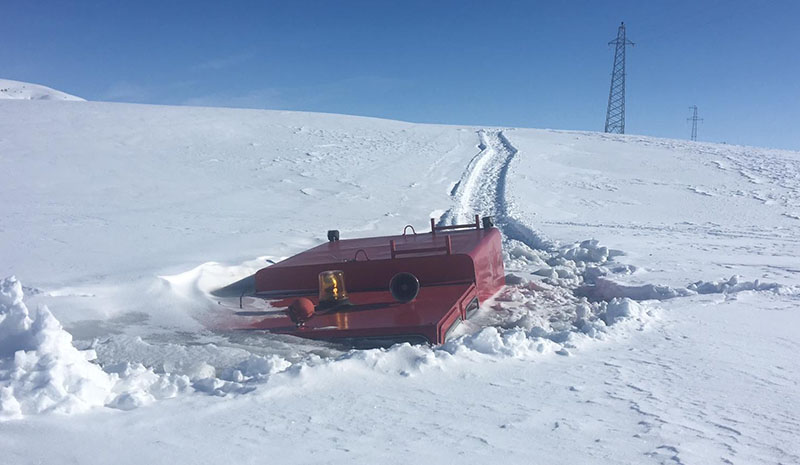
457	268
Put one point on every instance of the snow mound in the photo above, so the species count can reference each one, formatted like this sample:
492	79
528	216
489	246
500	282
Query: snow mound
399	360
205	367
606	289
137	385
621	309
526	342
732	285
16	90
40	370
515	342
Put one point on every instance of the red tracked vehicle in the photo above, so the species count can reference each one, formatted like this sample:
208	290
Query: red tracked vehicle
377	291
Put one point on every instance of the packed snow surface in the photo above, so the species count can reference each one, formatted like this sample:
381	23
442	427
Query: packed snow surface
649	314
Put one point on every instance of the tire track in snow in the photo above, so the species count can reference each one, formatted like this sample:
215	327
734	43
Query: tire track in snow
482	189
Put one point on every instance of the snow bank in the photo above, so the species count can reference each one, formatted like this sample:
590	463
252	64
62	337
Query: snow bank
732	285
137	385
256	368
587	267
515	342
176	367
40	370
580	325
606	289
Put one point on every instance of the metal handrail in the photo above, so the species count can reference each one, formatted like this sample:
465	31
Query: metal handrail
475	225
406	229
355	256
447	248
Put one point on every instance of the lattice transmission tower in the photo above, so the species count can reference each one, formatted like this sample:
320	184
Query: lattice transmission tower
615	115
694	119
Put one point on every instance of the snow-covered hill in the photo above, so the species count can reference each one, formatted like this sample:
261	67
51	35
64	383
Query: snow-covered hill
649	317
18	90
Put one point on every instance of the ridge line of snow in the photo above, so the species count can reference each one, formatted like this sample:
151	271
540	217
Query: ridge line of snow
19	90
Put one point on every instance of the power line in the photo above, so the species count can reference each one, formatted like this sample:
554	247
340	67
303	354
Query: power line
694	119
615	114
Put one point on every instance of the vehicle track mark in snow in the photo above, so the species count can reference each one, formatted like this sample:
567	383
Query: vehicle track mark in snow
482	190
581	270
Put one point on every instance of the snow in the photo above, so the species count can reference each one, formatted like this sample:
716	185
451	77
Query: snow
40	369
42	372
649	315
26	91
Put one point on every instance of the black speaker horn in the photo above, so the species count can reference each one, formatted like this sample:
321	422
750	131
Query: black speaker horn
404	287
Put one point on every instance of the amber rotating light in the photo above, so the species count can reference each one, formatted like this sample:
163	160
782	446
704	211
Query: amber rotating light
332	291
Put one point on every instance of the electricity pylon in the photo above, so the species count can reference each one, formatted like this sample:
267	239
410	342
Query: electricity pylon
694	119
615	115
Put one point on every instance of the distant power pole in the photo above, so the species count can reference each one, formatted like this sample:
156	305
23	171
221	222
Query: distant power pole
694	119
615	115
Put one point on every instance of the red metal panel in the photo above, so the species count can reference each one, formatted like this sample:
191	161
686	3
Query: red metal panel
368	275
453	267
487	257
484	264
378	247
373	314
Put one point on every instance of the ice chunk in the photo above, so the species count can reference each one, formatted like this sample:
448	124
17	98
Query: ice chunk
620	309
605	289
732	284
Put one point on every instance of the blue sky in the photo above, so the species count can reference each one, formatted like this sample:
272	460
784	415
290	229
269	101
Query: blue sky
528	64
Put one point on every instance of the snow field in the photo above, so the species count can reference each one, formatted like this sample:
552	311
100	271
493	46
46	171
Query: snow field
639	195
544	314
136	372
678	350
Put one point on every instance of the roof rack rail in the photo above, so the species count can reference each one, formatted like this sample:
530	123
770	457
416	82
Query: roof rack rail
475	225
447	248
